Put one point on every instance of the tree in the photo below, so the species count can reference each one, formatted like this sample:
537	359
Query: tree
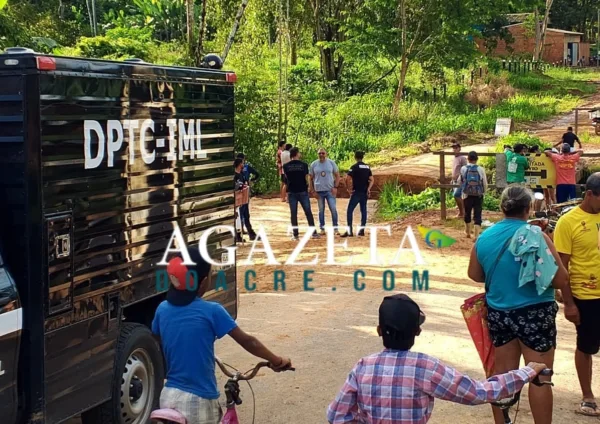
433	33
236	24
3	3
575	15
540	30
328	17
189	14
200	47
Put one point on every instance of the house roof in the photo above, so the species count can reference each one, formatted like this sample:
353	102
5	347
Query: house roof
517	18
562	31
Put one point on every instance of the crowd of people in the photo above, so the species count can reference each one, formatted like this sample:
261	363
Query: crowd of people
521	268
473	184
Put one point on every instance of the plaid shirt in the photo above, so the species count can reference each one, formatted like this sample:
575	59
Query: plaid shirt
398	387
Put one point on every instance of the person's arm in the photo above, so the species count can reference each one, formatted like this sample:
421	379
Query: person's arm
483	178
336	178
254	346
475	270
156	327
561	282
578	142
344	408
311	178
446	383
371	182
563	246
525	162
560	143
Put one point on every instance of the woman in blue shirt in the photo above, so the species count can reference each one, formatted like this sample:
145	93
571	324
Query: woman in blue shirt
521	321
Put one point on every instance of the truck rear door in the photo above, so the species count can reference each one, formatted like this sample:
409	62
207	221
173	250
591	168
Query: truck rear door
10	336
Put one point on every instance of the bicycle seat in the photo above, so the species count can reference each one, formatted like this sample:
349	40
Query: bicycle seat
168	415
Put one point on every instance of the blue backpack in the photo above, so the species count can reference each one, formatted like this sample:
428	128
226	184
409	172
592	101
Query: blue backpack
473	184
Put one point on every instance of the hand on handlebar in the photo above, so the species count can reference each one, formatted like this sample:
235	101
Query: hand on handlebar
284	365
537	367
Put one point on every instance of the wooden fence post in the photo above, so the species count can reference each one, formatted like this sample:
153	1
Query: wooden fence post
443	190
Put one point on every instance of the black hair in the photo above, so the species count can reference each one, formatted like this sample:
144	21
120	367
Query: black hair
294	152
519	148
593	184
281	143
359	155
534	148
237	163
515	200
396	340
241	156
472	156
288	146
570	129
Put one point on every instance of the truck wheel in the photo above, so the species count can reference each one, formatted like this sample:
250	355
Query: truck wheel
137	381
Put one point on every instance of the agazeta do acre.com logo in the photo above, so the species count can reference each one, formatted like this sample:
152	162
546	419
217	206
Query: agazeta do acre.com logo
408	243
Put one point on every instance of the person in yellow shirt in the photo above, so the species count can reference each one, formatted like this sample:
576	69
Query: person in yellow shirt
577	240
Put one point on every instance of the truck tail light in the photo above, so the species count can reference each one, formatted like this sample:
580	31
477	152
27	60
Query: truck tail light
231	77
46	64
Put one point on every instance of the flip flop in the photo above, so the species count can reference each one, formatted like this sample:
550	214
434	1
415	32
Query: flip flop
589	405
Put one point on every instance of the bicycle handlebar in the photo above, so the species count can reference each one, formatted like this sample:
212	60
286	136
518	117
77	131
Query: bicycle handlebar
248	375
508	402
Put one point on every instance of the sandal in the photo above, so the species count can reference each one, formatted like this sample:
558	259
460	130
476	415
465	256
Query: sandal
589	406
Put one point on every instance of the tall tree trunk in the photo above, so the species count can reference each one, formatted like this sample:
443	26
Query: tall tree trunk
200	48
189	6
538	36
236	25
294	53
545	27
404	60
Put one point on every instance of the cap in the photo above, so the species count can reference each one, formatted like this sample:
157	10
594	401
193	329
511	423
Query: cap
183	289
566	148
401	314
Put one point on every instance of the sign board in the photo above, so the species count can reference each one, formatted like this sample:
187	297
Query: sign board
504	126
541	173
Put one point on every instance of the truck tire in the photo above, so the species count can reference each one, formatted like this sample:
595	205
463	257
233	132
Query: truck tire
137	380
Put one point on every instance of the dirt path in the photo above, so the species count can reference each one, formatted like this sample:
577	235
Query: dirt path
326	331
421	171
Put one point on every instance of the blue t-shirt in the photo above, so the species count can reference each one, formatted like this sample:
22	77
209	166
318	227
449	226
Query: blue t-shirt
504	292
188	335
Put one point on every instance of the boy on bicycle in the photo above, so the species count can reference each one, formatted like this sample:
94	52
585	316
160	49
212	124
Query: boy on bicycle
187	327
397	386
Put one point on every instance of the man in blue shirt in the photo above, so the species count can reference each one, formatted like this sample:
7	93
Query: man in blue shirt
187	327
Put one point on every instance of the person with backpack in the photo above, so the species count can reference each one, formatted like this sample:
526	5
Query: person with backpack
474	185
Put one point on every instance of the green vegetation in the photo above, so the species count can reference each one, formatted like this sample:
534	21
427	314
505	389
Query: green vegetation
394	202
343	66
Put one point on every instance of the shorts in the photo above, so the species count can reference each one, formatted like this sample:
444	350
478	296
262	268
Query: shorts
588	331
538	190
195	409
533	325
457	192
565	192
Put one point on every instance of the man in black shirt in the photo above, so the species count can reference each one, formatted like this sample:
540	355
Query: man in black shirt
362	181
240	181
296	174
570	138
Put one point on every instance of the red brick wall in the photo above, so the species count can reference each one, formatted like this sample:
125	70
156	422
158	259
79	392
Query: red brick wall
523	44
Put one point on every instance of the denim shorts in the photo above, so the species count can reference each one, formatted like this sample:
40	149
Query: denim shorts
457	192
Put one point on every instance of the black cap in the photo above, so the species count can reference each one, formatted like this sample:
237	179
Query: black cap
183	289
401	315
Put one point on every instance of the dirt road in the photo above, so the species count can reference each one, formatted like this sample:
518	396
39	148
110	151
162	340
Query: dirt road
327	331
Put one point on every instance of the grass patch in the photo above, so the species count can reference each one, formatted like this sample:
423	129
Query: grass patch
395	202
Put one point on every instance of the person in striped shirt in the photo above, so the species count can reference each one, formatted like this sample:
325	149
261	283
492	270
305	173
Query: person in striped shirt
398	386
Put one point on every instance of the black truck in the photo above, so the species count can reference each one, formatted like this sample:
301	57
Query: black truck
100	161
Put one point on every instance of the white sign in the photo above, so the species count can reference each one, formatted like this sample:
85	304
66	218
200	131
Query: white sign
184	140
504	126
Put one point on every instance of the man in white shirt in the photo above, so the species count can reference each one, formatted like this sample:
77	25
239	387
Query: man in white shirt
285	158
457	163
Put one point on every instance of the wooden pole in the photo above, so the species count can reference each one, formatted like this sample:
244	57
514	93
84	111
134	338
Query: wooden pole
442	190
576	121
